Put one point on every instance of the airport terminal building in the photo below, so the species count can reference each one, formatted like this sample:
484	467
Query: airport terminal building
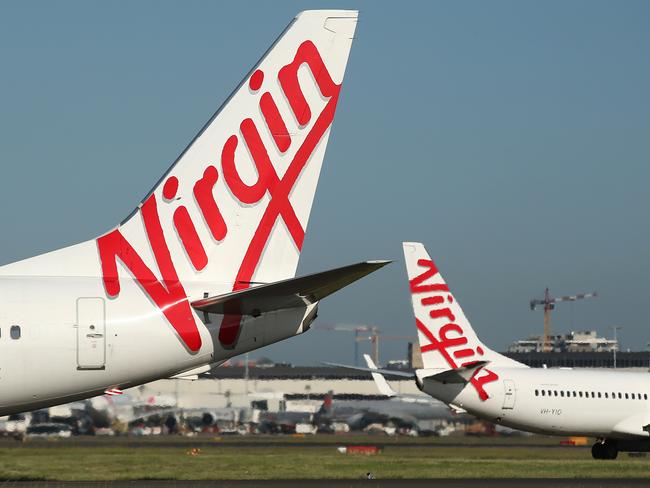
237	386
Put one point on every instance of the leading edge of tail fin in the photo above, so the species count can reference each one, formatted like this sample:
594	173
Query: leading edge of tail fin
232	210
237	200
234	207
447	339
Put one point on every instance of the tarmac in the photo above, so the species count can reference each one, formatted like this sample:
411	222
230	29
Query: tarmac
230	443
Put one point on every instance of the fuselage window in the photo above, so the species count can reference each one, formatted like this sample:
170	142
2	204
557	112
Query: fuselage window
633	397
619	395
536	392
606	395
555	393
14	332
626	397
598	394
574	394
580	393
543	392
550	393
562	393
645	396
593	395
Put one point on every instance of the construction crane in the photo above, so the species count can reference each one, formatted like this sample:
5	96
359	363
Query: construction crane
548	302
371	330
364	333
374	337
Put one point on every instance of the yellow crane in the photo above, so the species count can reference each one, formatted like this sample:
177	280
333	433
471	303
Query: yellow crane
548	302
363	333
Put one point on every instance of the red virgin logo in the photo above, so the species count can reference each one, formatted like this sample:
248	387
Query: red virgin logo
169	294
451	343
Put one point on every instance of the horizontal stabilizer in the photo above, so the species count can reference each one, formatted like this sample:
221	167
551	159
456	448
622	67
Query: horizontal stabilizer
381	383
456	409
192	374
390	372
291	293
459	375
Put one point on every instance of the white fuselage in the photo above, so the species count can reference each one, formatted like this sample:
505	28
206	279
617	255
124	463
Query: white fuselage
58	358
598	403
228	215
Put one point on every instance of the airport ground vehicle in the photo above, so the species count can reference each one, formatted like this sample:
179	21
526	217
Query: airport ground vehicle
203	269
49	430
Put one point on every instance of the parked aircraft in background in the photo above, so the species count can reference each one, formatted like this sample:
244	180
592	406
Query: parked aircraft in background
427	407
468	376
463	372
400	409
202	270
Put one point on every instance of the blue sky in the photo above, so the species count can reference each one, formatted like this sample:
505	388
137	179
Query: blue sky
512	138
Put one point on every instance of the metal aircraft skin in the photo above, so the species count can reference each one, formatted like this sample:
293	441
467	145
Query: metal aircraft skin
203	269
463	372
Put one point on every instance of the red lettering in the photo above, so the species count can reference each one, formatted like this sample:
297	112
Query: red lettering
446	343
443	312
435	344
255	83
274	122
170	188
245	193
267	177
478	382
205	199
288	76
185	228
190	238
416	283
437	300
463	353
168	295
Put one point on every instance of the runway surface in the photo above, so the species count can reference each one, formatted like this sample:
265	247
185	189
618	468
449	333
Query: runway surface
434	483
243	444
313	445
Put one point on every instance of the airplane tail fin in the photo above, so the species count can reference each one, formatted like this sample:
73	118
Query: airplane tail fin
447	339
232	210
234	206
382	385
237	200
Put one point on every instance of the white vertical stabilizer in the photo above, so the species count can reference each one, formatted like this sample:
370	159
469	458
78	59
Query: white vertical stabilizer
447	339
234	206
232	210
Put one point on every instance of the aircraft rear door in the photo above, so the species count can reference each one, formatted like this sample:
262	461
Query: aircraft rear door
510	394
91	333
